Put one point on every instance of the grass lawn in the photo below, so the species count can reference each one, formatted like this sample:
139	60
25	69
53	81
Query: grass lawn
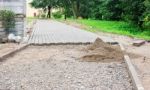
117	27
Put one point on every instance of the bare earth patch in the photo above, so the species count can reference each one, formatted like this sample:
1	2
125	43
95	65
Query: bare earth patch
8	47
140	57
59	68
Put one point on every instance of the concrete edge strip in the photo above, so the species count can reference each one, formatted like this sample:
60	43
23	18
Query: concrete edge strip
68	43
132	72
2	58
71	43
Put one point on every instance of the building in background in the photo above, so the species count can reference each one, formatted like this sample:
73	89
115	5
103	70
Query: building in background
19	7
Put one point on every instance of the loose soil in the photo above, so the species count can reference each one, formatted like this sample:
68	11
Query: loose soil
141	61
59	68
140	56
103	52
8	47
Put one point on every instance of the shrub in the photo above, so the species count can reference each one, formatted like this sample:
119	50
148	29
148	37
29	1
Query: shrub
147	22
7	18
43	15
57	14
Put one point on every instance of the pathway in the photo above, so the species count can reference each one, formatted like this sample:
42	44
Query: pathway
53	32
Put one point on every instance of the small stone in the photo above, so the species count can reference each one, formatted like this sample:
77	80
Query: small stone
138	43
0	40
4	40
69	77
82	87
110	66
148	41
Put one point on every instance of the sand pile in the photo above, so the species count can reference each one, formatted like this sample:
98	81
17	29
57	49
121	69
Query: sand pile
103	52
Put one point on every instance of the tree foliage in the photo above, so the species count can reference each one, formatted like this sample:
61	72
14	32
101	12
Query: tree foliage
7	18
45	4
136	12
147	14
133	11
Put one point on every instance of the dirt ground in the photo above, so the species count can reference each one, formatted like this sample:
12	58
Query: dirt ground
140	57
60	68
8	47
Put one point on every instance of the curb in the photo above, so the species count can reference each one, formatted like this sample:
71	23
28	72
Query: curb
71	43
132	72
6	55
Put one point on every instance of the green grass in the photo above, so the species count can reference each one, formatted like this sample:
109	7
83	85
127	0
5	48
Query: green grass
117	27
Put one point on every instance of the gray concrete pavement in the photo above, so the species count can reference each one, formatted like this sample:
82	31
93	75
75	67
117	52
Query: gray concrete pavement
53	32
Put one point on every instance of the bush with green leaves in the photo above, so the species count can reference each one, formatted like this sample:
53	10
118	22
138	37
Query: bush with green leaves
147	15
8	19
147	22
43	15
57	14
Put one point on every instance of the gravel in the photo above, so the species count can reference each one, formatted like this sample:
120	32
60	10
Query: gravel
58	68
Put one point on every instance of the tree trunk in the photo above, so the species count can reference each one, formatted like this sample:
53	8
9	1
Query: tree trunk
65	17
74	10
65	13
49	12
73	5
78	8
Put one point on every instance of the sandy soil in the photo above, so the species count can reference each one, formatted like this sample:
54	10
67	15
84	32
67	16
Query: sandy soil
8	47
100	51
140	57
59	68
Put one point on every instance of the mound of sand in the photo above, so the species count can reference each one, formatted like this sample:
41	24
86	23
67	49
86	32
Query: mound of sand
103	52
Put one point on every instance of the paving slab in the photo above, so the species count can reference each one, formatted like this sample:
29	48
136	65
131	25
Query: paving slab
54	32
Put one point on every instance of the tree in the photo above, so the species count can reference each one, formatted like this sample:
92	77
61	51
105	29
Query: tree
87	9
66	5
45	4
97	9
133	11
147	14
75	4
111	9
